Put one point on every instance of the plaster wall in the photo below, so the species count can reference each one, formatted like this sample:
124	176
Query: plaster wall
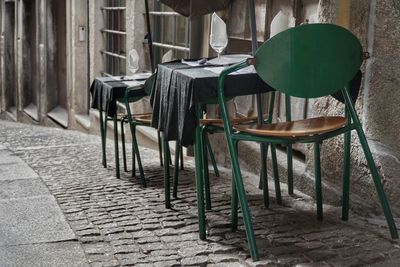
79	57
97	40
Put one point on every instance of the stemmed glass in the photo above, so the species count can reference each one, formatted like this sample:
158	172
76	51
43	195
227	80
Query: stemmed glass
218	35
133	61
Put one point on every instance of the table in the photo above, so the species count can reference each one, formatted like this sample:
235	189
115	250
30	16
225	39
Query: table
177	96
179	87
105	92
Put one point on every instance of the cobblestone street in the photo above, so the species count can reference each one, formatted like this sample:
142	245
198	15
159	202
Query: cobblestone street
118	222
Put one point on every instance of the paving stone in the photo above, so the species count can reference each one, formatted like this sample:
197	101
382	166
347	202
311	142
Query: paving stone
195	261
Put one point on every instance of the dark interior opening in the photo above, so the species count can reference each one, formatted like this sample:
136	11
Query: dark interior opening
56	62
29	60
9	57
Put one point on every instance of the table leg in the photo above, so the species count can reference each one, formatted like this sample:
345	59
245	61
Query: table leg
116	146
103	128
167	191
199	176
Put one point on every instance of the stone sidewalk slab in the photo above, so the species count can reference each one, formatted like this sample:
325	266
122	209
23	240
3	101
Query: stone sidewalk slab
32	220
15	171
50	254
22	188
13	168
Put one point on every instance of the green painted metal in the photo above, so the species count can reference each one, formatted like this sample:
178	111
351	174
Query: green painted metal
211	154
206	177
123	144
264	176
103	129
133	161
116	146
371	164
276	175
167	193
318	185
181	157
136	151
176	169
237	177
346	170
160	148
307	61
199	177
234	198
289	149
311	60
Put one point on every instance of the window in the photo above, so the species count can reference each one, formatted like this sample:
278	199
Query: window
115	38
170	34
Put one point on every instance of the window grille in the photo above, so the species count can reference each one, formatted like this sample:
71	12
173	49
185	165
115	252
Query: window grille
171	31
115	38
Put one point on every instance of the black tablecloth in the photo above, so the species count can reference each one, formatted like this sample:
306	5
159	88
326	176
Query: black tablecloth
179	87
106	90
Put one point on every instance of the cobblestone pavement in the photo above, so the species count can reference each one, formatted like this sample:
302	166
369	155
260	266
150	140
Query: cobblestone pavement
120	223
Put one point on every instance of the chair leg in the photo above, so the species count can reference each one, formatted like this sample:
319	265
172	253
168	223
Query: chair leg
176	170
264	176
346	176
206	175
276	175
234	208
123	144
103	130
210	152
139	161
199	177
378	184
181	157
169	154
166	173
234	201
242	198
116	146
133	159
160	148
263	172
290	169
318	190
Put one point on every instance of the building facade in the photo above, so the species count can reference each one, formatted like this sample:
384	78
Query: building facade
50	51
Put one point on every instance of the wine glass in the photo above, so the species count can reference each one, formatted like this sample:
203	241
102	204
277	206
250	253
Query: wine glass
133	61
218	35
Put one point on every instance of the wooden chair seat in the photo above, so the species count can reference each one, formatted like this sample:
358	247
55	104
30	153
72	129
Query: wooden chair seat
299	128
143	118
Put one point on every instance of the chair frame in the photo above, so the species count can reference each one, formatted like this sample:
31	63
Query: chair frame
352	123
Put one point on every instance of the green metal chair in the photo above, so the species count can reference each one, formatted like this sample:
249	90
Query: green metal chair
135	120
215	125
307	61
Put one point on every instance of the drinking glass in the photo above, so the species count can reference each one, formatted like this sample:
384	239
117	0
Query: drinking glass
133	61
218	35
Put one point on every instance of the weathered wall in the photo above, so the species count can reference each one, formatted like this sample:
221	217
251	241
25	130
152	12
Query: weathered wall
376	24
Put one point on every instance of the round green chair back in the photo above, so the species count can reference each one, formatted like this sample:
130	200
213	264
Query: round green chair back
309	61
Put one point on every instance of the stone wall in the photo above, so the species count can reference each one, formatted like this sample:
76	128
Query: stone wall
376	24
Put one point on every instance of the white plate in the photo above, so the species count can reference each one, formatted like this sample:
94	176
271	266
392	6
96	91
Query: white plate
229	59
